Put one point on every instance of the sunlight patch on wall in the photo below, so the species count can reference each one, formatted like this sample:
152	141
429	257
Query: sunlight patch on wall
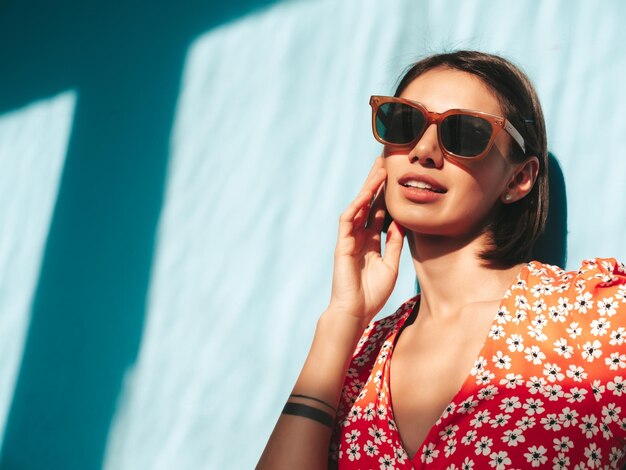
33	145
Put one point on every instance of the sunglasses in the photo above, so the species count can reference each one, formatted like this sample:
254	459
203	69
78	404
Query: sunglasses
461	133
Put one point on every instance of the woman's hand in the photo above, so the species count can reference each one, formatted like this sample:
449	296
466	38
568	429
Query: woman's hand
363	279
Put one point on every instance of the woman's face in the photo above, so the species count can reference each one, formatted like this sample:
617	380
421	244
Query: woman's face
465	193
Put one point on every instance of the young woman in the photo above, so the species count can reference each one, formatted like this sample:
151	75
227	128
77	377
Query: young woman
500	362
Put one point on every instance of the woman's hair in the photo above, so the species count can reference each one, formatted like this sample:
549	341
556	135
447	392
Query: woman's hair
515	227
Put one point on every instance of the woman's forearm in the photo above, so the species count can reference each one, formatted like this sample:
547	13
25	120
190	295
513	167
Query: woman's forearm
301	442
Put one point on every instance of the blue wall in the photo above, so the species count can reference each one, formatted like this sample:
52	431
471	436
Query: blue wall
172	173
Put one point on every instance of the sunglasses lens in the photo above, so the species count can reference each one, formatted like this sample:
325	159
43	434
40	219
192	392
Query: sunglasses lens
464	135
398	123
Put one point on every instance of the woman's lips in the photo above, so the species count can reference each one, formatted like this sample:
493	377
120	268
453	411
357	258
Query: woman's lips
420	195
420	188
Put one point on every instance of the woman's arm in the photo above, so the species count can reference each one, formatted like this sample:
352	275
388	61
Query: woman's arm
362	283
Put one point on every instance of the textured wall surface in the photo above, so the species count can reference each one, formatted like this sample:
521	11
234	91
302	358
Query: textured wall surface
269	141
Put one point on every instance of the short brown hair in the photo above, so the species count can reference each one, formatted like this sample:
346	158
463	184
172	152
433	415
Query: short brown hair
514	227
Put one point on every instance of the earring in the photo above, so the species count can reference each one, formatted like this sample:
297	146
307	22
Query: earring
507	197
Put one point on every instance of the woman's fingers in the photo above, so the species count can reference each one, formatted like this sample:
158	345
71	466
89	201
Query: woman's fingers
376	218
395	240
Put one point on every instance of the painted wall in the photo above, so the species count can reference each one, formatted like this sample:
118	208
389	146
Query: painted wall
171	174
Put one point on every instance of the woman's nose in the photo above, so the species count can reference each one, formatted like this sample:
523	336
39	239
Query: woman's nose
426	151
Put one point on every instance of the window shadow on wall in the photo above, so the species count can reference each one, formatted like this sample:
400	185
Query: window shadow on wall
125	59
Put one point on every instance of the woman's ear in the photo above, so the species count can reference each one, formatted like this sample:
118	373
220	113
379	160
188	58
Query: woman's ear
521	181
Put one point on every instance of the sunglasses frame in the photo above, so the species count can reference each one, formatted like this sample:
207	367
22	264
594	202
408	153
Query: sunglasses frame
497	124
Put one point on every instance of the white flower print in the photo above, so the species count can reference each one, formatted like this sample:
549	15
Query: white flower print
568	417
539	321
368	413
352	436
401	455
499	420
621	294
480	418
378	434
449	409
503	315
594	455
588	426
484	446
501	361
561	462
538	290
513	437
479	366
617	336
551	422
606	430
537	333
515	342
553	392
574	331
450	447
468	464
496	332
533	406
578	374
576	395
449	432
370	448
536	384
564	305
553	372
598	389
469	437
534	354
468	405
521	302
556	314
611	413
615	456
387	462
484	377
539	306
526	422
599	327
355	413
429	453
607	307
563	444
510	404
499	460
536	455
512	380
488	392
562	348
583	302
616	386
616	361
353	452
520	316
591	350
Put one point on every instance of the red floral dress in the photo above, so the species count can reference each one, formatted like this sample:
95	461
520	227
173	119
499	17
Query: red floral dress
548	388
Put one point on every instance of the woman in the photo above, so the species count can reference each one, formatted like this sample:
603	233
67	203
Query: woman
499	362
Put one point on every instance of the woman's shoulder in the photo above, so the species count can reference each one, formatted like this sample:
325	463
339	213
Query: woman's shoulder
599	284
597	273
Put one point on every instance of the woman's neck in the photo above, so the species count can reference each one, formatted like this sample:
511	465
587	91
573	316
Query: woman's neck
452	276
